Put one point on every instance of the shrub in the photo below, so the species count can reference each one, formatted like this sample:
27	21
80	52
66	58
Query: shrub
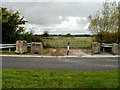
107	37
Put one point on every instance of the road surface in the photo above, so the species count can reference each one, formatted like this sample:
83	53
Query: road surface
61	63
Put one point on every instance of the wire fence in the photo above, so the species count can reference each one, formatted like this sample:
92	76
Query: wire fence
82	42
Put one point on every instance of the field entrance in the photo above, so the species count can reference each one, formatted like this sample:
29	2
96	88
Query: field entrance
62	42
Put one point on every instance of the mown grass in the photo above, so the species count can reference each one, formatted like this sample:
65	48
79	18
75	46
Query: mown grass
59	79
82	42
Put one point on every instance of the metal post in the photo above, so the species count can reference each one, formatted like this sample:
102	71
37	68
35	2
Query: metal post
103	49
83	43
9	50
68	48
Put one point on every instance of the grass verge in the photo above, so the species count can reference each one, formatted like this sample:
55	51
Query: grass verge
5	51
59	79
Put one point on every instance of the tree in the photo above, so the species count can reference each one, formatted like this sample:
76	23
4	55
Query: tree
105	24
68	35
45	34
11	28
0	26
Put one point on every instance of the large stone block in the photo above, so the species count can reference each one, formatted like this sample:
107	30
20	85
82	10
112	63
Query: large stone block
21	46
36	47
119	49
116	48
96	47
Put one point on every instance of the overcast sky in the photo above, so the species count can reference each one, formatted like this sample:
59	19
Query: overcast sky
56	17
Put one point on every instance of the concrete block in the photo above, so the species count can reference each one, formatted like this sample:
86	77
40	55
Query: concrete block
119	49
36	47
21	46
96	47
116	48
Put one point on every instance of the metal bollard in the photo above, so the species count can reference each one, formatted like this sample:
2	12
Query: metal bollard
68	48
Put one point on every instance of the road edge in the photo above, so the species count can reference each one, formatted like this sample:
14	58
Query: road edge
89	56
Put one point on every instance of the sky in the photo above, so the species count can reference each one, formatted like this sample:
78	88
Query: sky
55	17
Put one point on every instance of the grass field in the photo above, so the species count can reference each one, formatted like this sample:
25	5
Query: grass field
81	42
59	79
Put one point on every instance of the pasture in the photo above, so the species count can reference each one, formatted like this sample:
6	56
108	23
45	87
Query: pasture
75	42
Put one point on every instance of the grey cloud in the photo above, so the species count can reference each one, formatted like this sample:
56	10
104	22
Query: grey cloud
47	13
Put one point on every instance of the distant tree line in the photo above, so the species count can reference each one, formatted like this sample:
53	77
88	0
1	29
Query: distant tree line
65	35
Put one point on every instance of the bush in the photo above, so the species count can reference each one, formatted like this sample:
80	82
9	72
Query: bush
29	37
107	37
46	45
37	39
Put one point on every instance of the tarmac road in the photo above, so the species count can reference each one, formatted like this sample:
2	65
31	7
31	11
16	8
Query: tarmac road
61	63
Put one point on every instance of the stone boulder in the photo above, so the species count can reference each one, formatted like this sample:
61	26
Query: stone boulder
96	47
116	48
119	49
21	46
36	47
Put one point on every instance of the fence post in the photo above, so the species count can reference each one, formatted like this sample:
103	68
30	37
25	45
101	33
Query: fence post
9	50
83	43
